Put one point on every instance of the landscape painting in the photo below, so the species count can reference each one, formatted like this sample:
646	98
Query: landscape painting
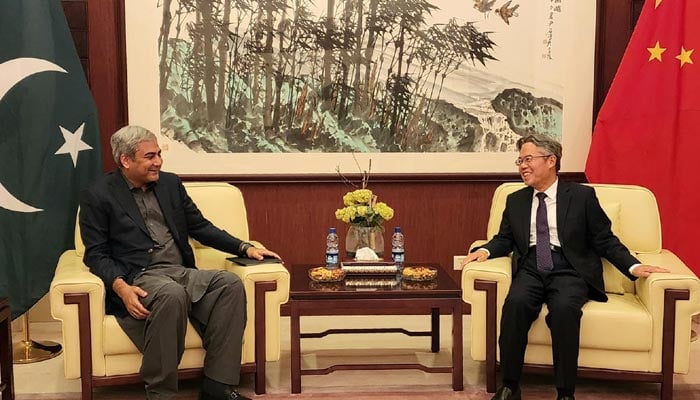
275	87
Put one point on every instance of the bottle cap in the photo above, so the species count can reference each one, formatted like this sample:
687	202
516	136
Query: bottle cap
331	230
397	229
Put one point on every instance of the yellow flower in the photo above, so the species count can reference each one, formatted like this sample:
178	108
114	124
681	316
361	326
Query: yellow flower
360	209
348	199
384	211
362	196
360	205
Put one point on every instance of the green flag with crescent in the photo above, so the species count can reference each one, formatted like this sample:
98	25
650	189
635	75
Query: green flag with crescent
49	146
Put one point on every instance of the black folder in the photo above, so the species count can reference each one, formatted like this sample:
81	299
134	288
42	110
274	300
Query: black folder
247	262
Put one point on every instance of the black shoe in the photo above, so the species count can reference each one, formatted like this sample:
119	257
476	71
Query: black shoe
505	393
232	395
565	398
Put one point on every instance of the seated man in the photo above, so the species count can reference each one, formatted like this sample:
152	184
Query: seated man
557	232
135	223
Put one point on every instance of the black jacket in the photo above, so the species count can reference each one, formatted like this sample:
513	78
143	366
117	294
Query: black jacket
117	242
584	232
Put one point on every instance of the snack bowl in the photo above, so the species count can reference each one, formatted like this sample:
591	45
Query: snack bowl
419	273
321	274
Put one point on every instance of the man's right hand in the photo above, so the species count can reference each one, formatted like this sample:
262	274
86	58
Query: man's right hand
478	255
131	295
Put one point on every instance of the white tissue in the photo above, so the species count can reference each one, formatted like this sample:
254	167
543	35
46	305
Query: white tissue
366	254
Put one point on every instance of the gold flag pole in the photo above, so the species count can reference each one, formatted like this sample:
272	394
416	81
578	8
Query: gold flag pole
30	351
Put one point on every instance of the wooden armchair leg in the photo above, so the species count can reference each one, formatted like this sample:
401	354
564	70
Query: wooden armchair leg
261	288
82	300
490	288
668	344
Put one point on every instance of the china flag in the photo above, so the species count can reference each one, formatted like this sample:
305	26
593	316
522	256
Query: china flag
648	130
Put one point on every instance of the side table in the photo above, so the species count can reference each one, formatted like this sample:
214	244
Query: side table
6	379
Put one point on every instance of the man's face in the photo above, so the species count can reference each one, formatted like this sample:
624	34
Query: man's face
537	167
145	167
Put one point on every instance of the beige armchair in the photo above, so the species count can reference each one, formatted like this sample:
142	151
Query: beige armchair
642	333
97	350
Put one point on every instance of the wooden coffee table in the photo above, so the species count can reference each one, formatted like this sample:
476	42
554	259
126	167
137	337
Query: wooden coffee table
307	298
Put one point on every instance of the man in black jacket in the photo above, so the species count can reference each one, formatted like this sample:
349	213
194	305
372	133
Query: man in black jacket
557	232
135	223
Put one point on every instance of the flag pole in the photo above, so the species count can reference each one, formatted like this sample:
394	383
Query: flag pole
29	351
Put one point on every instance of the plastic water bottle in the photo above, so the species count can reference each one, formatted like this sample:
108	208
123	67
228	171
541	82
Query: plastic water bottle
332	249
397	248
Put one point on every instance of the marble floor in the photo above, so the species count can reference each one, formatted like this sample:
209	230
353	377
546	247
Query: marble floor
44	380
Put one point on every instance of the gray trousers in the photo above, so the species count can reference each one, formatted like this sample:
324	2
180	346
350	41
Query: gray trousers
215	303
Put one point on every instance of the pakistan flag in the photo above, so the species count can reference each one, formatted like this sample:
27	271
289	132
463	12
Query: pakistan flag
49	146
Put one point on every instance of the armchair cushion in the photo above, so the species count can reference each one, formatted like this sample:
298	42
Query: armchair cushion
623	313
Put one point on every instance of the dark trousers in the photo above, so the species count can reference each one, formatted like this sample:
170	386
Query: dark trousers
565	293
215	303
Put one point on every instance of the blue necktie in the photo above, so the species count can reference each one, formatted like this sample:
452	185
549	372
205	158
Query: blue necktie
544	252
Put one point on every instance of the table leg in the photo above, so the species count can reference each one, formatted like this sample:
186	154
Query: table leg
457	361
435	330
295	338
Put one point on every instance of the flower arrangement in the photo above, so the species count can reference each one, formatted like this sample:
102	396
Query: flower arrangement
361	205
363	209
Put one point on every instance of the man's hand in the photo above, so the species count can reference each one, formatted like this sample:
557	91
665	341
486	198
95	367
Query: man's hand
259	254
478	255
643	271
131	295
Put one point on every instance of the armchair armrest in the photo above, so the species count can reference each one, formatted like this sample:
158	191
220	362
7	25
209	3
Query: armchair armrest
274	280
484	286
73	278
685	286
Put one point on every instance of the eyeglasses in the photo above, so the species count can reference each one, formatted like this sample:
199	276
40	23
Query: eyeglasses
528	159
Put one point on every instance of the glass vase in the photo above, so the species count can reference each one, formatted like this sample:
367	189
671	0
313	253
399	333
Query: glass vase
364	236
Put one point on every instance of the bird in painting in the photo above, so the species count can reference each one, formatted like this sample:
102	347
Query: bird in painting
506	11
484	6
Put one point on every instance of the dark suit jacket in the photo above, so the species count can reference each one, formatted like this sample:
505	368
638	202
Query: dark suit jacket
584	233
117	242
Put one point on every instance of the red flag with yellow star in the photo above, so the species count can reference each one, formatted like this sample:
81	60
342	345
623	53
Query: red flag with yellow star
648	129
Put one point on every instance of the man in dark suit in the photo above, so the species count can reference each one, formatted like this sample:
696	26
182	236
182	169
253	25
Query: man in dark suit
557	232
135	223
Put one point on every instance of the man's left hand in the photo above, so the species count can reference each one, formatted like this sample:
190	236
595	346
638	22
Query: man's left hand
643	271
259	254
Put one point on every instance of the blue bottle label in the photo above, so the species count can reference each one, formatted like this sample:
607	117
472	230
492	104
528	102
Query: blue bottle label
331	258
398	257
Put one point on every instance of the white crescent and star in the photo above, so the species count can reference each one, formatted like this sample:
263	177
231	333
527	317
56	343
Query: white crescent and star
74	143
11	73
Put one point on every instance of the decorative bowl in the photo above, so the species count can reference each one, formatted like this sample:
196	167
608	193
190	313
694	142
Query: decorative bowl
321	274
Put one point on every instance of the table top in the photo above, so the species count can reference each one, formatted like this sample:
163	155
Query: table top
370	286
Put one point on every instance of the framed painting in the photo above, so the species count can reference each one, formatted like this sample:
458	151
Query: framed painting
416	86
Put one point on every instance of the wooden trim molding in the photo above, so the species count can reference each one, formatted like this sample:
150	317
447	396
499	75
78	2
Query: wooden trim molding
384	178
